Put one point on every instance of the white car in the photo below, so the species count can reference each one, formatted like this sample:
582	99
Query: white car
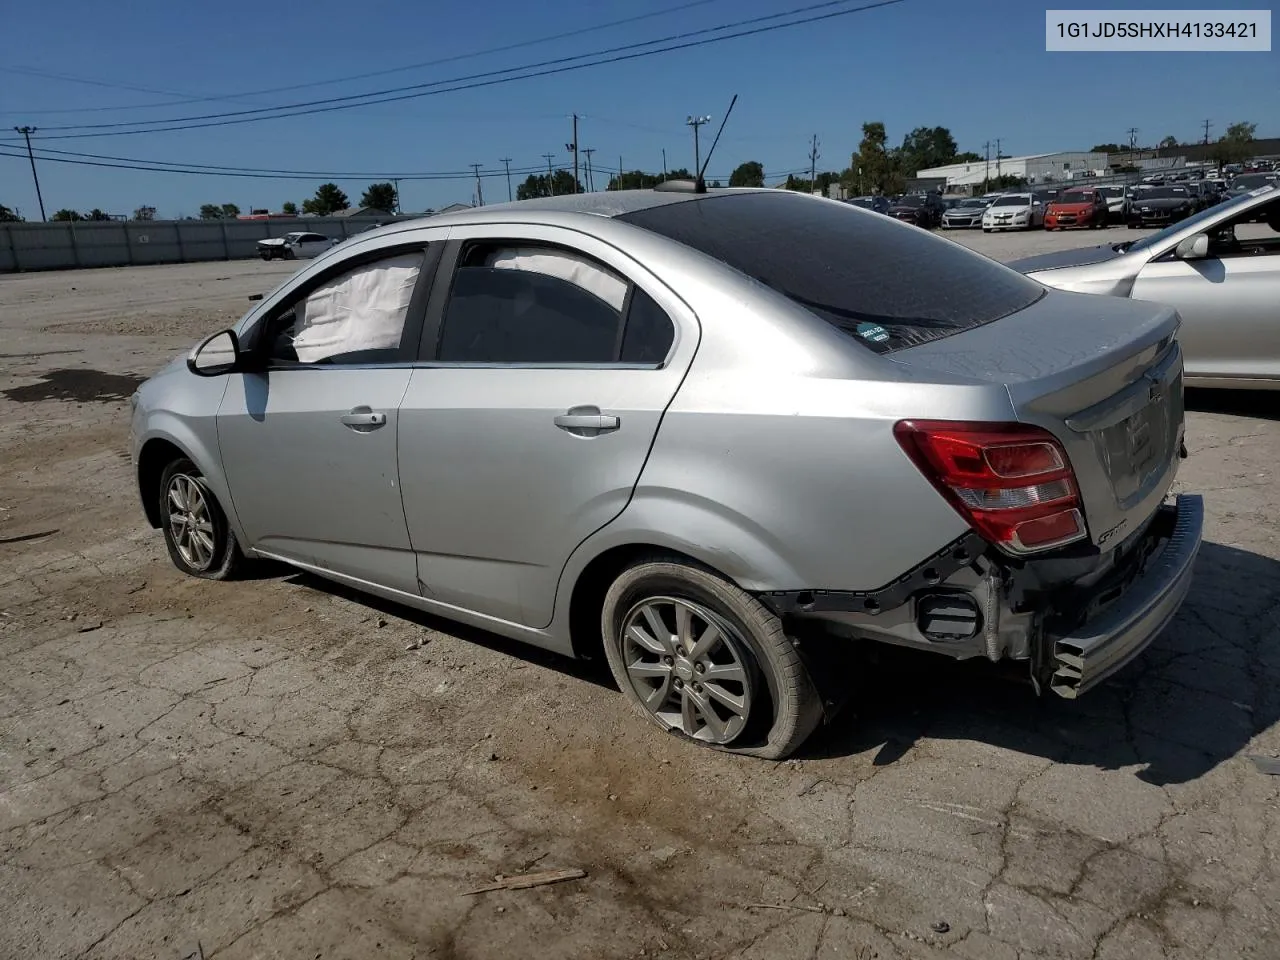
295	246
1118	197
1014	211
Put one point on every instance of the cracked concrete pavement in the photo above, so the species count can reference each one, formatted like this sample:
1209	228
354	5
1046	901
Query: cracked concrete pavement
261	769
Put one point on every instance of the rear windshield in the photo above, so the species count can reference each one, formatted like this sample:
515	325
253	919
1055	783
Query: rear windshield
885	284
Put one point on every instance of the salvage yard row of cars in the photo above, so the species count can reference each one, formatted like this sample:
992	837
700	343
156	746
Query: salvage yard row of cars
1148	204
721	438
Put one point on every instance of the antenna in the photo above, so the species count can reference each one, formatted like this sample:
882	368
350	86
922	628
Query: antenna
700	184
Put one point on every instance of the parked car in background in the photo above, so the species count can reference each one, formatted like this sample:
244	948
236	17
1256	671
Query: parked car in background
1159	206
295	246
1117	197
965	214
922	209
1014	211
1250	181
876	204
559	420
1220	269
1079	207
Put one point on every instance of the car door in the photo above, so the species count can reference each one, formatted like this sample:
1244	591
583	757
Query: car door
312	245
308	438
553	359
1228	300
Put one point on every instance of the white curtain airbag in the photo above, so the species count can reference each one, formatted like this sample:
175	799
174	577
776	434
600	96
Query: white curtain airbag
361	310
579	271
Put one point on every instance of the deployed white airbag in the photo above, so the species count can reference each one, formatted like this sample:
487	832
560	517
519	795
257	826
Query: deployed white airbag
579	271
361	310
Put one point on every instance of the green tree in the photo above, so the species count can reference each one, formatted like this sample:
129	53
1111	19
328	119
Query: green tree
380	196
749	174
144	213
1236	145
289	208
1169	143
1106	148
967	157
65	215
875	166
230	211
8	216
536	185
927	147
210	211
329	199
96	214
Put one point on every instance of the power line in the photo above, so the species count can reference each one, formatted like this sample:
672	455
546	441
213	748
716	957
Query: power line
261	175
489	78
234	98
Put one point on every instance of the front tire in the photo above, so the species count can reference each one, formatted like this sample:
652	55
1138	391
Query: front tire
196	532
706	661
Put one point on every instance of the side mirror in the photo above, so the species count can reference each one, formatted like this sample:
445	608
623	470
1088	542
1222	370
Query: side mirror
1193	248
215	356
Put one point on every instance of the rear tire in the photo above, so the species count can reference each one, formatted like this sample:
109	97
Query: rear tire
706	661
196	532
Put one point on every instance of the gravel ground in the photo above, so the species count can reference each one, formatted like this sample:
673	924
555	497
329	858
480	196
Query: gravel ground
263	769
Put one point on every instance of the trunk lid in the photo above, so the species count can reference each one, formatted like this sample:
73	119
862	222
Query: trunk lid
1104	375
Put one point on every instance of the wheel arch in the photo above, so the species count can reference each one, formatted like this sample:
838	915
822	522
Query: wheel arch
168	438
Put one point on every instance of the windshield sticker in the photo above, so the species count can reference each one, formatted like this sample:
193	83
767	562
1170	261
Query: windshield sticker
873	332
1265	188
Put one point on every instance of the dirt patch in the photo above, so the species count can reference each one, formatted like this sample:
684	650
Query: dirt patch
84	386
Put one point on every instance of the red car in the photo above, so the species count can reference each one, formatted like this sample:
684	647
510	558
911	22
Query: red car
1080	207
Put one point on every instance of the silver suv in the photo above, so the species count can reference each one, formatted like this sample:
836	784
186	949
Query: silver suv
701	433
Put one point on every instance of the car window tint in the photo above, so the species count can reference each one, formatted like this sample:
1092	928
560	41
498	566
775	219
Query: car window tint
887	285
1256	233
357	317
649	332
532	305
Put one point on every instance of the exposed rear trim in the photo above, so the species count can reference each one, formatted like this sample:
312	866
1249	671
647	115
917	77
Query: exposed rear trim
953	557
1104	644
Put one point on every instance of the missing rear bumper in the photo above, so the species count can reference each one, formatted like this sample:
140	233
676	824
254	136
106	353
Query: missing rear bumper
1102	645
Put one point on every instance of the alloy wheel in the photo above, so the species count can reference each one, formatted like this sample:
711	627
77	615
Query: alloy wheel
689	667
190	522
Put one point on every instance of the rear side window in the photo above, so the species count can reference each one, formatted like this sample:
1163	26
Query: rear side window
545	304
887	285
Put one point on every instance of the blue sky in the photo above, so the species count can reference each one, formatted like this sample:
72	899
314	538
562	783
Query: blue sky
897	64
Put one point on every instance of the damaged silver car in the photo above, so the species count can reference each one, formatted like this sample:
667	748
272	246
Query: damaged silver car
709	436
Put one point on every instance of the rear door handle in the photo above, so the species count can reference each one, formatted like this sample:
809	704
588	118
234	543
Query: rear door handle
363	417
586	421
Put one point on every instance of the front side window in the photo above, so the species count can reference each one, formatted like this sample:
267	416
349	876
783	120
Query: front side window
512	303
356	317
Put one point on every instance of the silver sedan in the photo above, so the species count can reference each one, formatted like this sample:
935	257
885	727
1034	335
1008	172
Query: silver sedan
717	438
1220	269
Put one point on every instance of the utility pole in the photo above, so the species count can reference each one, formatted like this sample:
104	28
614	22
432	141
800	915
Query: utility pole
591	183
696	122
479	189
551	180
574	147
986	176
506	162
27	132
813	163
1207	125
664	165
1133	139
997	158
620	172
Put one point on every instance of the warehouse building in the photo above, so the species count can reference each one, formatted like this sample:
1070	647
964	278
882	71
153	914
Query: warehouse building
1035	168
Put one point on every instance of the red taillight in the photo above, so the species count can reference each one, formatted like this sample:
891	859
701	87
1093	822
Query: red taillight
1011	481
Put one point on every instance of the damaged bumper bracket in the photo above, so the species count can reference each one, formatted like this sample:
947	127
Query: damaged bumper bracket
1102	645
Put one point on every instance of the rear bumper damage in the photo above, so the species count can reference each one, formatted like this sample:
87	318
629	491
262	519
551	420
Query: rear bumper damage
1107	641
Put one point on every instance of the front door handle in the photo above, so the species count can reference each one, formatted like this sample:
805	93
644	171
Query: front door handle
586	421
363	417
